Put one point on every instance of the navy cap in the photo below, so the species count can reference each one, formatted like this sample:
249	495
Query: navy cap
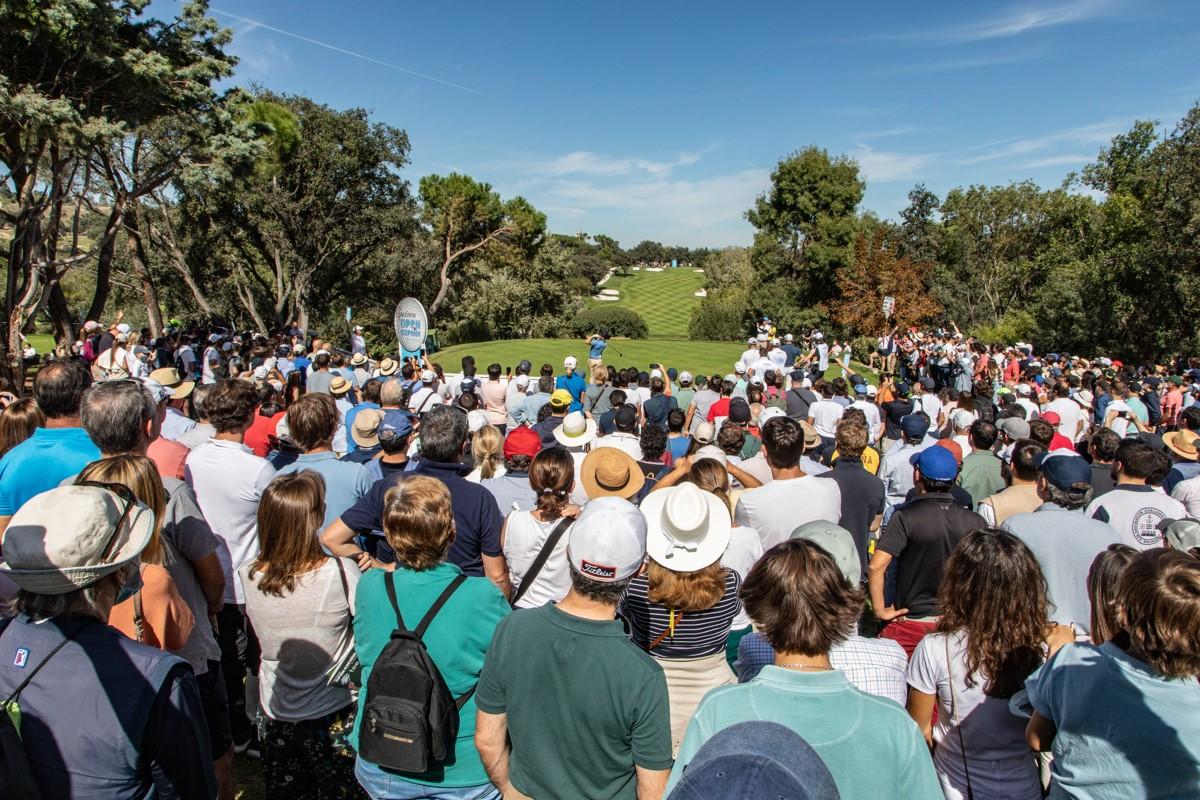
756	759
798	375
935	463
395	424
739	410
860	388
672	373
927	383
625	417
902	388
1063	471
914	425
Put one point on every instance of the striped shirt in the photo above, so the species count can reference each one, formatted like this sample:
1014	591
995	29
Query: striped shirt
697	633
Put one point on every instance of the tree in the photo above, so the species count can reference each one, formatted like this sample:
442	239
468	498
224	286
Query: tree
919	230
878	271
467	216
728	269
76	77
809	212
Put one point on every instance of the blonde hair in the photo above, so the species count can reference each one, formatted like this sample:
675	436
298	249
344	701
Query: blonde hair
140	476
487	446
418	522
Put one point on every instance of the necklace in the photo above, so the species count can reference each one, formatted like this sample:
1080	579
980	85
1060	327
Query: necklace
805	666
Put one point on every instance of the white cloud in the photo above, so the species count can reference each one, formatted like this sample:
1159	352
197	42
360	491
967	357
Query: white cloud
583	162
882	166
1058	161
961	64
883	133
1096	134
1019	20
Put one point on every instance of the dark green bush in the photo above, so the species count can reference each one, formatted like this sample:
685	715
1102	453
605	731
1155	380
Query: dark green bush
722	317
617	321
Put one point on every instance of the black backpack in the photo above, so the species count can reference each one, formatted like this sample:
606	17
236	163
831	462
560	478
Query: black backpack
410	719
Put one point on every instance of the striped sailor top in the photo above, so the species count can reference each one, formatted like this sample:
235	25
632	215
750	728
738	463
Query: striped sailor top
696	633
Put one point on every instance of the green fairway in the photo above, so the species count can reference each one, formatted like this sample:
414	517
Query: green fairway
664	299
42	342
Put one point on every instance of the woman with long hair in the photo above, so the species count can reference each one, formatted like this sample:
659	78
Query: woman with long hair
681	609
18	421
419	525
294	389
1102	579
487	449
156	614
995	630
552	478
301	604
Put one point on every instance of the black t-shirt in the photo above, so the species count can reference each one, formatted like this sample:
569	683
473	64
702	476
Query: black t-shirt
657	408
862	501
1102	479
920	536
893	412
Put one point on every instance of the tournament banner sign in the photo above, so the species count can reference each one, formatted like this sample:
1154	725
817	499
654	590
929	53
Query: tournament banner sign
412	325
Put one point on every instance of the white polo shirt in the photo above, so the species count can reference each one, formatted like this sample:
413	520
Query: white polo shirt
781	506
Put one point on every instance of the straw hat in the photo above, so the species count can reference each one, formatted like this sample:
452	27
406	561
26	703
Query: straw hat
72	536
687	528
365	431
1182	443
169	378
358	359
339	386
388	367
609	472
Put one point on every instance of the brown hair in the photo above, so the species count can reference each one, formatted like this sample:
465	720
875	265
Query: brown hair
289	516
418	522
994	593
1102	579
486	446
18	422
140	476
709	475
312	421
230	405
800	599
851	439
686	591
551	476
1158	602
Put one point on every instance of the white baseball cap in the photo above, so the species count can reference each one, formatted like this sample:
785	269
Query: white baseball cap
818	335
762	337
787	337
656	373
739	368
123	328
872	390
428	376
769	413
476	420
705	433
569	362
710	451
685	377
687	528
608	541
752	340
1023	389
522	381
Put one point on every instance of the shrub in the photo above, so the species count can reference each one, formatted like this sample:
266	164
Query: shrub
863	346
617	321
721	317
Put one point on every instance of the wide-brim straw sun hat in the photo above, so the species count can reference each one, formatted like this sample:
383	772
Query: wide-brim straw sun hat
687	528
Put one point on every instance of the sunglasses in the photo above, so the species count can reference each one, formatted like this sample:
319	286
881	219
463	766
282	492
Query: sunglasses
130	500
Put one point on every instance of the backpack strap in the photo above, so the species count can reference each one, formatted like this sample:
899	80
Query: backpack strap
389	583
542	556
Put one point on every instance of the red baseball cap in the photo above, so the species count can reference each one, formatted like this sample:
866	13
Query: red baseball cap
522	441
1052	417
954	448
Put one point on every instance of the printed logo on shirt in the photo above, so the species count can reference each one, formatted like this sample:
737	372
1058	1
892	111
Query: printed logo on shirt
20	658
598	570
1145	526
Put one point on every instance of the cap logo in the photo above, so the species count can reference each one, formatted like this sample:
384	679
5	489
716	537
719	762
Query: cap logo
598	570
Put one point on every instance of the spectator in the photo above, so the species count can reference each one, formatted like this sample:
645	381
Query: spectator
792	497
681	609
625	437
1179	441
656	409
678	442
805	606
981	474
312	424
560	403
476	547
896	468
1102	580
862	493
1021	497
202	429
229	481
606	732
18	421
919	537
551	478
369	391
1103	449
511	487
487	445
1126	722
54	452
1134	507
301	604
993	632
72	551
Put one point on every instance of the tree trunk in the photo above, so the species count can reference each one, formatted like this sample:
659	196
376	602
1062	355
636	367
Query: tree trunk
60	317
137	257
104	263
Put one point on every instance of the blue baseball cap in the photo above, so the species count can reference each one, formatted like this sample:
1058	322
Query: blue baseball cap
914	425
756	759
1063	471
395	425
860	388
935	463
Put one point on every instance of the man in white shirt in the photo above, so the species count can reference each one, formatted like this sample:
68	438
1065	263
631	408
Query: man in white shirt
623	438
1132	507
427	396
824	415
229	481
1071	422
927	399
870	410
1024	392
793	497
358	343
211	360
751	355
895	470
822	352
185	357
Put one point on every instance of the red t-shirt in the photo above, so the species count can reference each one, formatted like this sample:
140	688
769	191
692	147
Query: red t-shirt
719	409
260	429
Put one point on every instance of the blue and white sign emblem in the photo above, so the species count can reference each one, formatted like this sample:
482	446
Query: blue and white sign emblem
412	324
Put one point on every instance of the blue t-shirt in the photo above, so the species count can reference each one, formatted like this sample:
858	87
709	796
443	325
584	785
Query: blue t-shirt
678	447
596	350
42	462
350	415
345	481
1123	729
574	384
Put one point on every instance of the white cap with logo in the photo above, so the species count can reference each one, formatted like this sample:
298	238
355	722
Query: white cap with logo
608	541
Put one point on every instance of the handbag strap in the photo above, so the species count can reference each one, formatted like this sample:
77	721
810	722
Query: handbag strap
346	585
139	618
962	747
389	583
17	692
667	631
542	557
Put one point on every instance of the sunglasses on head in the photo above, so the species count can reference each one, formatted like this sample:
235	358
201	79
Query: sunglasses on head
130	500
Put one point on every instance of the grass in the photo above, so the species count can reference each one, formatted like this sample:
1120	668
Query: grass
42	342
664	299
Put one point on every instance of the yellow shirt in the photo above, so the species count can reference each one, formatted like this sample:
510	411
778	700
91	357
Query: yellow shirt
870	459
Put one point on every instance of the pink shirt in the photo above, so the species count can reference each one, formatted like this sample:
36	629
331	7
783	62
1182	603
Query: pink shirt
494	394
168	456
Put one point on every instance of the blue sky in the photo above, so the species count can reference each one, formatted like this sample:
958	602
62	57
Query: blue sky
662	120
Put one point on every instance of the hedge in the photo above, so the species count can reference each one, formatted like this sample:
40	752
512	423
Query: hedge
615	321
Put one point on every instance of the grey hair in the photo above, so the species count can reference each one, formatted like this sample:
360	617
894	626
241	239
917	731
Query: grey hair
90	601
1070	499
199	395
115	413
390	393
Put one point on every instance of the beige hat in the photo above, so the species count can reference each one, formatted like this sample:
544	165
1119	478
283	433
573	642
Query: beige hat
704	433
710	451
388	366
169	378
575	430
609	472
811	437
365	431
1182	443
72	536
687	528
358	359
339	386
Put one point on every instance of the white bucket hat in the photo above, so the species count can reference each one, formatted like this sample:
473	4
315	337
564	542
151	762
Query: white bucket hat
575	430
72	536
686	528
